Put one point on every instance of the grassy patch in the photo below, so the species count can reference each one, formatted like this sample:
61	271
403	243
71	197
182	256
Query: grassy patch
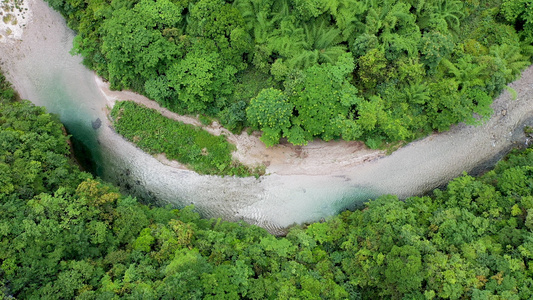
391	147
528	130
192	146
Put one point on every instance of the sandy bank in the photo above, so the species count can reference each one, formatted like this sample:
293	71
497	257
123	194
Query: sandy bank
317	158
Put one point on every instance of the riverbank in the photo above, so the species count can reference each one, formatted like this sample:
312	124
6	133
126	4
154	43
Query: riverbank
317	158
202	152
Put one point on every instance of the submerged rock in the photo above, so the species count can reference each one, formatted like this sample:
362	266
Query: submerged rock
96	123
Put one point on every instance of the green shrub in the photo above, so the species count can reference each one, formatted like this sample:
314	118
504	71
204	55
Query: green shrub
192	146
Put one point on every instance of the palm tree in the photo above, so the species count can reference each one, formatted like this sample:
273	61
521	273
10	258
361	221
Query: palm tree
511	59
395	27
281	9
289	39
348	15
465	71
257	15
321	44
451	11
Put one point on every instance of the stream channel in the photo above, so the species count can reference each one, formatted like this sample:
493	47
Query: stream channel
42	70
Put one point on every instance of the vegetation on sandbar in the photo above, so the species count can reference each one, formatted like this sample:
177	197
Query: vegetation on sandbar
196	148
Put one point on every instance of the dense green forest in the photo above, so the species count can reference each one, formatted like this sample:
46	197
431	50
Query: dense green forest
373	70
65	235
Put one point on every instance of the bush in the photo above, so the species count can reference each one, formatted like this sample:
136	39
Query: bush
192	146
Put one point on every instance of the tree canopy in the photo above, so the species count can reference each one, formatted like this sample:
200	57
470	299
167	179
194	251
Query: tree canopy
65	235
402	68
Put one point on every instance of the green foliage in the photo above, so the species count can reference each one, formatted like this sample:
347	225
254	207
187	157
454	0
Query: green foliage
213	57
270	111
462	237
233	117
323	99
372	68
317	102
7	94
520	14
159	89
80	238
192	146
134	44
320	45
200	78
434	46
33	149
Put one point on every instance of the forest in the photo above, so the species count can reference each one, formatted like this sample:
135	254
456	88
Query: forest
65	234
378	71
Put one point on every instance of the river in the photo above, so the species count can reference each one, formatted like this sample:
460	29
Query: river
42	70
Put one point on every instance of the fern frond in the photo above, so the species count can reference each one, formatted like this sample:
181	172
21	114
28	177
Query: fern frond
331	54
511	58
417	92
304	59
348	18
281	9
321	36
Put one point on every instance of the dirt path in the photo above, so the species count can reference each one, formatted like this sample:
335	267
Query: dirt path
317	158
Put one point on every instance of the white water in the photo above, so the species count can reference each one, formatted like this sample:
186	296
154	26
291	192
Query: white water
43	71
